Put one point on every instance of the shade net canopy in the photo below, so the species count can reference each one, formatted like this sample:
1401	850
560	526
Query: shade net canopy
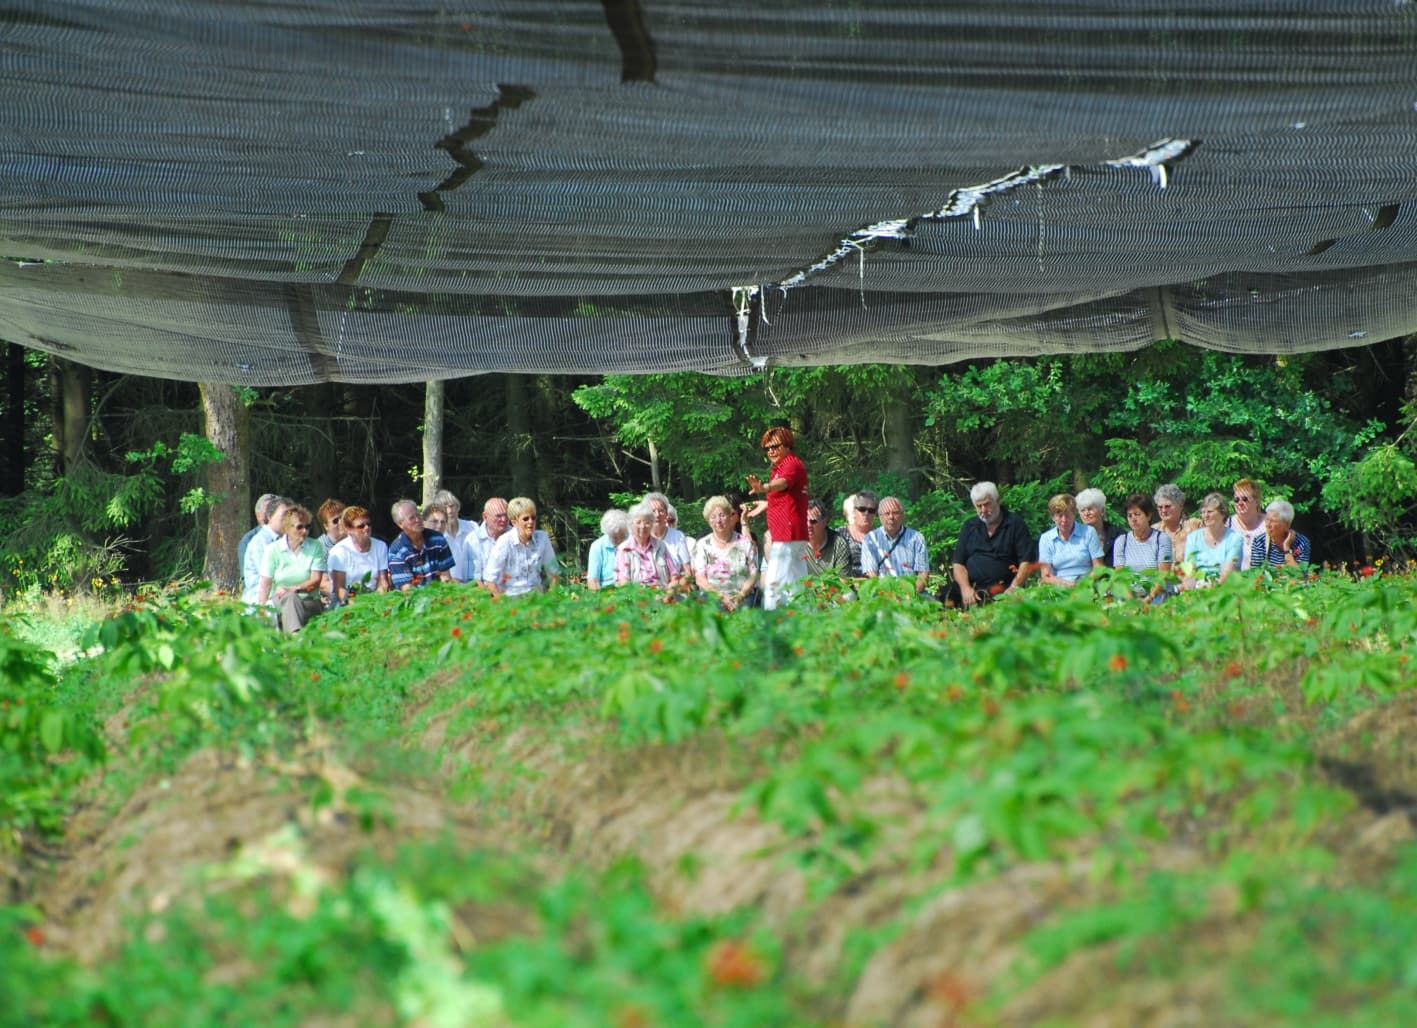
264	192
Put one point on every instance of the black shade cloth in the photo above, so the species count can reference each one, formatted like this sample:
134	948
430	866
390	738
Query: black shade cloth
268	193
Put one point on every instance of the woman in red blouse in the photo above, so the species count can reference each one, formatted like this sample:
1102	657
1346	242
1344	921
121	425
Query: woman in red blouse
785	501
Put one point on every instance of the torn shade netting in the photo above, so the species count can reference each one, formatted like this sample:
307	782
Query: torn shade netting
288	192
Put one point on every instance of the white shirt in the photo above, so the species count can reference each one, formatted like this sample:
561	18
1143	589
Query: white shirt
477	549
518	568
1249	534
457	543
679	547
361	570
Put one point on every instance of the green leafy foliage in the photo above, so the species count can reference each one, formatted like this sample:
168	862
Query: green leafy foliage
45	745
1376	495
880	739
69	536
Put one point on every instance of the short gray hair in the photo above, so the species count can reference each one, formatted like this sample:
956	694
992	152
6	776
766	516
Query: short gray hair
1091	499
614	522
262	504
1282	509
402	505
983	489
1170	493
642	510
669	510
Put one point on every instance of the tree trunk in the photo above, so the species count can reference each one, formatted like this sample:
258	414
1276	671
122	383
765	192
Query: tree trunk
656	485
71	411
522	459
432	440
227	425
14	461
900	438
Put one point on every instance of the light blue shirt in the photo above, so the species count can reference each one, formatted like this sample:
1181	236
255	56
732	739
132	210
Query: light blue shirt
457	544
905	556
1210	559
251	566
1070	558
600	563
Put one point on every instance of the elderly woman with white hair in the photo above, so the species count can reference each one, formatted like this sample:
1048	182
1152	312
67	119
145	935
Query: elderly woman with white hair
1279	545
1092	511
644	559
666	531
600	561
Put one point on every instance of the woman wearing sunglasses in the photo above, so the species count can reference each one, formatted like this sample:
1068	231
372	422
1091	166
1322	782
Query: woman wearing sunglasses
785	500
291	571
358	562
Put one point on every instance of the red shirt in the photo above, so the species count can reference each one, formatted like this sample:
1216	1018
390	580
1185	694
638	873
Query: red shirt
787	510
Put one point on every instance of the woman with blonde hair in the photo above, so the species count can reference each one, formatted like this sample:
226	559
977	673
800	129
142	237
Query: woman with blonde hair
725	562
1248	518
522	559
292	569
1069	550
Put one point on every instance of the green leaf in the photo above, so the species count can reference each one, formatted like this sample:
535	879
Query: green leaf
51	730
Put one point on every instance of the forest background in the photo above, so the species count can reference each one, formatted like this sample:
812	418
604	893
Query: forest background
108	480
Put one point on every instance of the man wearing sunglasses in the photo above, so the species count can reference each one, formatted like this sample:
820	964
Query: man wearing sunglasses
860	511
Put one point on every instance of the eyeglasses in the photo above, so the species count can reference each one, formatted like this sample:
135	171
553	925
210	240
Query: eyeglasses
865	510
301	528
362	524
1241	499
814	521
773	446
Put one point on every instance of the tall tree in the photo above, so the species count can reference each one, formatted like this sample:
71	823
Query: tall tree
432	439
71	411
16	456
522	458
901	417
227	426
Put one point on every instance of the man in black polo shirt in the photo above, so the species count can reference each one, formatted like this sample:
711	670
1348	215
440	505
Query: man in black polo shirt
995	551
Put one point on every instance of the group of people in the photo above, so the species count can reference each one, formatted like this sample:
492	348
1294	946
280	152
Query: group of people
996	552
284	568
506	553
